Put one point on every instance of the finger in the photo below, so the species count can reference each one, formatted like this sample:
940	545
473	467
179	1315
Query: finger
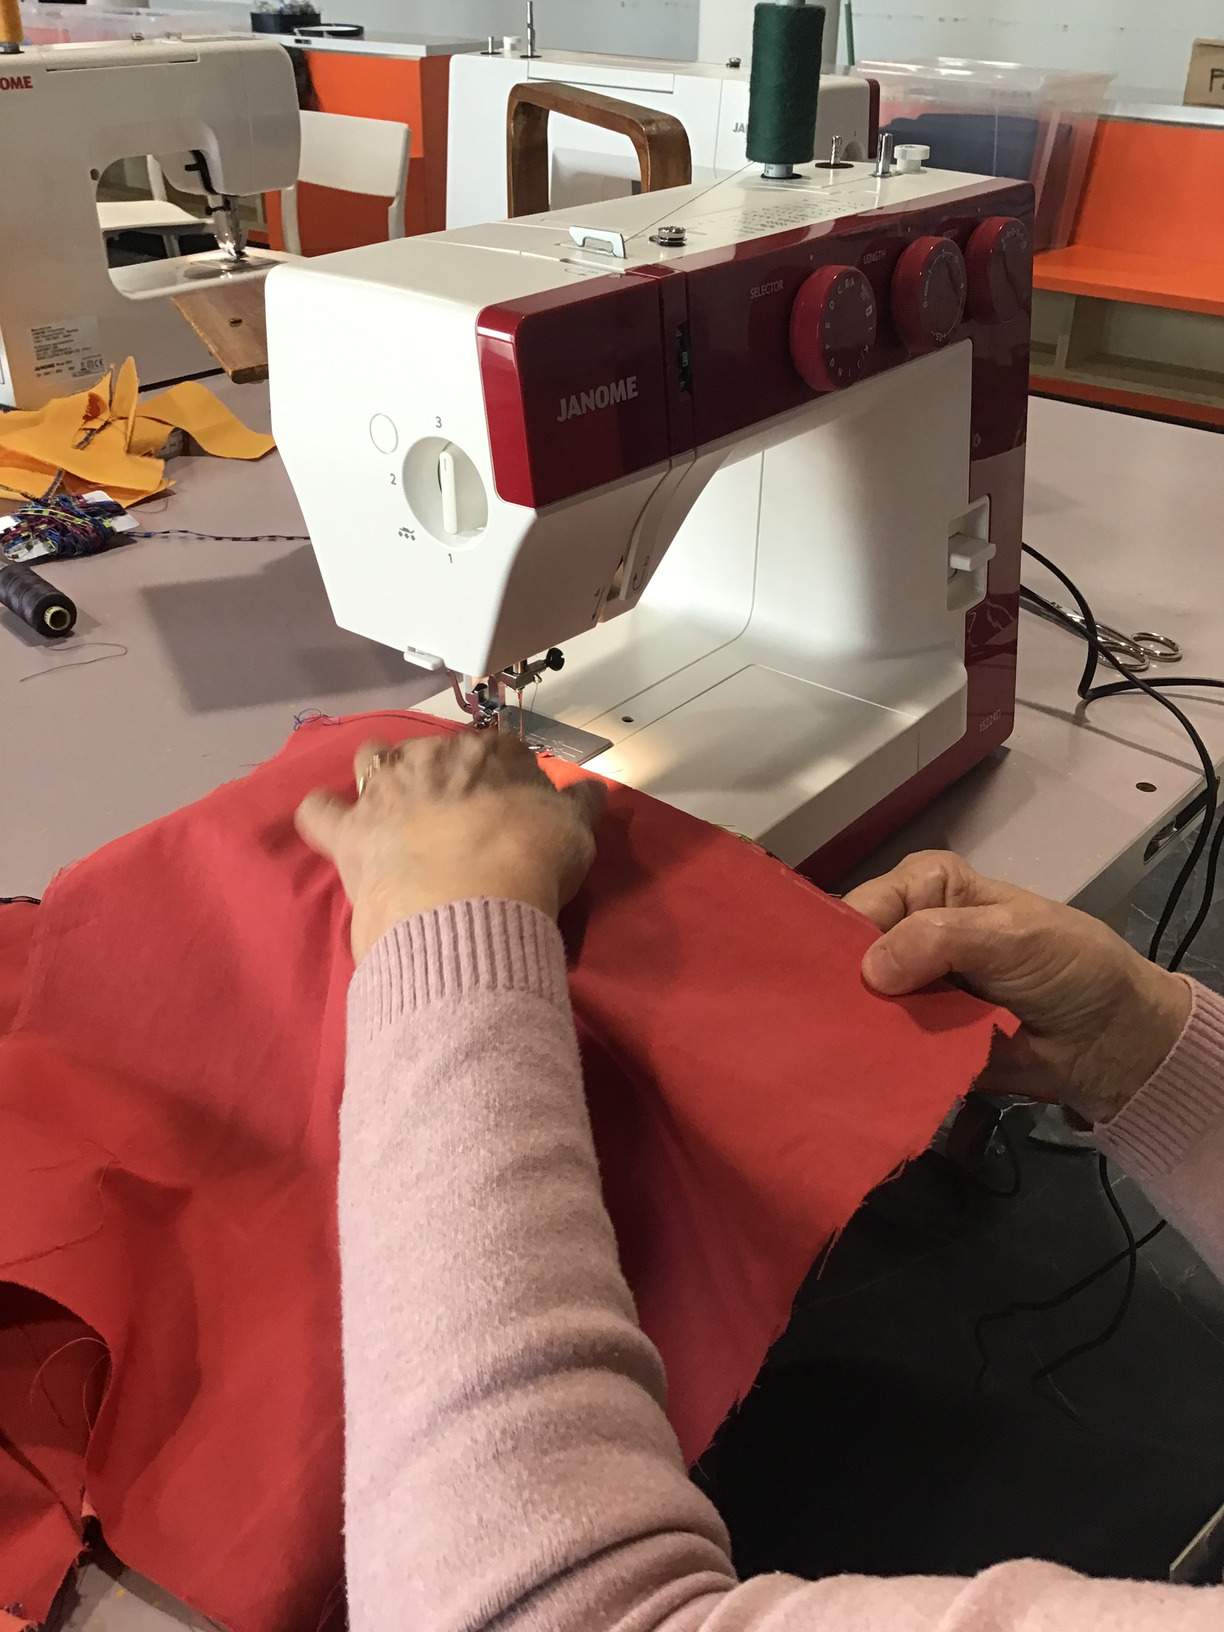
318	820
589	797
514	760
463	761
422	762
881	900
930	878
365	757
981	944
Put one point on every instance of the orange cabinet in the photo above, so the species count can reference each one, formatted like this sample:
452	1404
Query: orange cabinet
413	91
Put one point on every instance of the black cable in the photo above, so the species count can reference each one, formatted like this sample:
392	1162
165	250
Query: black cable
1039	1306
1131	1254
1205	904
1088	693
12	900
1115	688
1119	688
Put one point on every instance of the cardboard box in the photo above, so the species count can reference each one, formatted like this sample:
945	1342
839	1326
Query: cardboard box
1205	80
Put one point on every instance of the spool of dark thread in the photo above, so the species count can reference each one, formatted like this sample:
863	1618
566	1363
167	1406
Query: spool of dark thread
36	602
784	87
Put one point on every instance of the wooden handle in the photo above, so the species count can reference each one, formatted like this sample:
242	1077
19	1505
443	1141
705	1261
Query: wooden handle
660	141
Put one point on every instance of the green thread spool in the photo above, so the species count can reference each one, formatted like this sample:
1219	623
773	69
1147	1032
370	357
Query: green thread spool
784	88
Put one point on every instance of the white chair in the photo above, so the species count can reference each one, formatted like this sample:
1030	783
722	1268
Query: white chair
155	214
352	155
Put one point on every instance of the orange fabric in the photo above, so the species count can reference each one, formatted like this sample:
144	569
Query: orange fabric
106	437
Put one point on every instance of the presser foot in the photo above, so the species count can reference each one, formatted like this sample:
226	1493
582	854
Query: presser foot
486	707
547	736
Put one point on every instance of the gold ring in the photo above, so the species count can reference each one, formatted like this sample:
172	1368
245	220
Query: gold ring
377	761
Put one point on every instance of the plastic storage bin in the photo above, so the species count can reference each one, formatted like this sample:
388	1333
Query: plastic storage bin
61	25
999	119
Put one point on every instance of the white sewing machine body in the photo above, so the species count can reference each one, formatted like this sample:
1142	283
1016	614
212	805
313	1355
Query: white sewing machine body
66	113
587	164
787	607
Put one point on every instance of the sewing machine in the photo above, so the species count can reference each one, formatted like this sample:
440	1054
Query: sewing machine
751	456
219	113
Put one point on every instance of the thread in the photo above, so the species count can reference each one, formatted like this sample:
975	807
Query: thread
106	648
67	526
784	86
11	30
36	602
64	526
227	538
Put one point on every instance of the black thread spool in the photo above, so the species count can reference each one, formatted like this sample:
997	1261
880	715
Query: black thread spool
784	87
37	603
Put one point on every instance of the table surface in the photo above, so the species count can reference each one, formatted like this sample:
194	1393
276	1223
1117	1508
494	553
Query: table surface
193	655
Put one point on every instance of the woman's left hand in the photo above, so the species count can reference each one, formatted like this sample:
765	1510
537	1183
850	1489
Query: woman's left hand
448	818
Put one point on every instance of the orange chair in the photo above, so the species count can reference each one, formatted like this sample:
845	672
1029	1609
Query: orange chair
1131	313
412	91
345	154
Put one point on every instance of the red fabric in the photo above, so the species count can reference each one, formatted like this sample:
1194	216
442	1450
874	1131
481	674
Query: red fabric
171	1085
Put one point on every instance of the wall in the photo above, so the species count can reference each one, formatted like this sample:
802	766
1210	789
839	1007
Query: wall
726	30
651	28
701	30
1144	43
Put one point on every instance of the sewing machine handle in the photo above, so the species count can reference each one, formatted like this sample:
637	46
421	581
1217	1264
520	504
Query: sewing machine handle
660	141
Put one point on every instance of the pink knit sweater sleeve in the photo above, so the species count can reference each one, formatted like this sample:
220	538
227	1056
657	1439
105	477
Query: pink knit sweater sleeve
509	1460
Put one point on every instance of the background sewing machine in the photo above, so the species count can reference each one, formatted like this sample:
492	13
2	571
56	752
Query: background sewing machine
753	455
587	164
221	117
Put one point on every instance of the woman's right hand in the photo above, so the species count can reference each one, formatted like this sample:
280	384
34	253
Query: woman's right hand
447	818
1097	1018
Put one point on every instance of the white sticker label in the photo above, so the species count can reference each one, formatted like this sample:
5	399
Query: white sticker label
69	350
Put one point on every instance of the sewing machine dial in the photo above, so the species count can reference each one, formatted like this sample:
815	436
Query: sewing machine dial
445	492
833	327
927	297
1000	265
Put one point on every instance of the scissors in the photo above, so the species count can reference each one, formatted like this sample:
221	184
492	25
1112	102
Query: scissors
1135	653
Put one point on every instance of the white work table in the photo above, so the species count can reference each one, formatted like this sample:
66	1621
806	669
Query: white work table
215	646
206	649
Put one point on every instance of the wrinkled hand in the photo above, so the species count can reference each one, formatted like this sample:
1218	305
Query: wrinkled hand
450	818
1096	1017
